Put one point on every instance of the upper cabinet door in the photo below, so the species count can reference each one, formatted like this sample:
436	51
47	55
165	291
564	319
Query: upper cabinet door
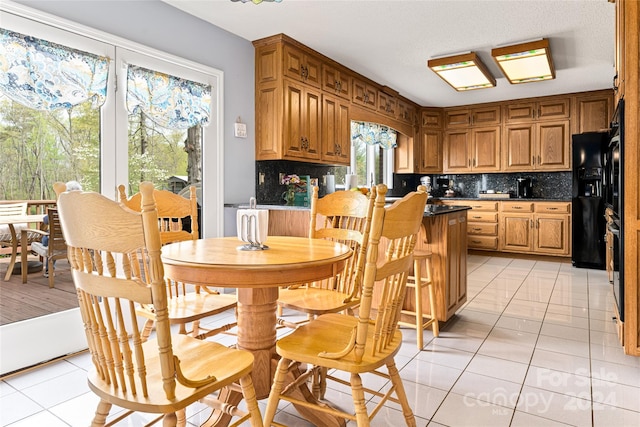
486	149
553	146
457	147
594	112
387	104
457	118
546	109
554	109
336	81
520	112
486	116
301	66
518	147
302	122
430	153
336	131
364	94
432	118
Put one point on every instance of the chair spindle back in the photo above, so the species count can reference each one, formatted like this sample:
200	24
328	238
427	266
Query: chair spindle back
114	255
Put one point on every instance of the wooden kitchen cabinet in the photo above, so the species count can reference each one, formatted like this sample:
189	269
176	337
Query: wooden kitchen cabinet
482	223
446	237
536	146
431	118
429	140
553	108
594	111
302	122
479	116
541	228
336	131
336	81
364	94
430	151
472	150
387	104
302	66
289	222
405	112
404	156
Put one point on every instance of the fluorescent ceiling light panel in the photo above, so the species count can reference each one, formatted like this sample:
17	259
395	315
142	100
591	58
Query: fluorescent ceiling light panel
525	62
463	72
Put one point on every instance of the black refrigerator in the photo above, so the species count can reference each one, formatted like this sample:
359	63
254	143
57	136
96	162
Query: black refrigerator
587	202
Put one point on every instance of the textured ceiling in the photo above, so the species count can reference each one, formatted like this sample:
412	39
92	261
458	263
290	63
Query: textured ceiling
390	41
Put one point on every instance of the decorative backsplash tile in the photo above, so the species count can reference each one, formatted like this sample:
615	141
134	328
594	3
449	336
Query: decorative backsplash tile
270	191
546	185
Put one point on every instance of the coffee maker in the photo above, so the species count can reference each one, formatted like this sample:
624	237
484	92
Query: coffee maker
524	188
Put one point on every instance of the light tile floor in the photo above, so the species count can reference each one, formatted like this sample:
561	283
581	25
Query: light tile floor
534	346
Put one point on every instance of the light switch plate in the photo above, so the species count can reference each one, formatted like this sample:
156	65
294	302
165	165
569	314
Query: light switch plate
240	130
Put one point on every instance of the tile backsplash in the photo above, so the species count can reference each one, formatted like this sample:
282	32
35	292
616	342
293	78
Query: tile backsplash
546	185
269	190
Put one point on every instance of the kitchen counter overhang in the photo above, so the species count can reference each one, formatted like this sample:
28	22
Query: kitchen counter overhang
430	210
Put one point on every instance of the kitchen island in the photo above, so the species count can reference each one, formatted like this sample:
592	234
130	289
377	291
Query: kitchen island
443	232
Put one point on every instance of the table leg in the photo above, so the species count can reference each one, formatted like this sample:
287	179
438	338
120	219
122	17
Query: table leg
257	333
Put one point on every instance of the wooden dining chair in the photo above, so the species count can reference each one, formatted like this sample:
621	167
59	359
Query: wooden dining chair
188	304
344	217
49	250
114	254
366	342
55	249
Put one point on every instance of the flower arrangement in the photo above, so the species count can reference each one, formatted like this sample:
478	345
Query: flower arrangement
290	179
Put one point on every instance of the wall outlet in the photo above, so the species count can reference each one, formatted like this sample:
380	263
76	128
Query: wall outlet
240	130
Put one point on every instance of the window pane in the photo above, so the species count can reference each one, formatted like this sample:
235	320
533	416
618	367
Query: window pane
155	153
38	148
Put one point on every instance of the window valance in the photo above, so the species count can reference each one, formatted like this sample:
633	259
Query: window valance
47	76
169	101
373	133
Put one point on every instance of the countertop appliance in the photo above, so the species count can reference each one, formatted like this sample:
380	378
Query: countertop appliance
524	188
587	204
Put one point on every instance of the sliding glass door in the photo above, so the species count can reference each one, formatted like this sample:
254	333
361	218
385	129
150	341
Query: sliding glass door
103	146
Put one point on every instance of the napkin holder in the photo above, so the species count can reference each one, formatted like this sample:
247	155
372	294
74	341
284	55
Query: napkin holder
252	227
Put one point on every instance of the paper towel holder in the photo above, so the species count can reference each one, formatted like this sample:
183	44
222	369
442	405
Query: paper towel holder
248	230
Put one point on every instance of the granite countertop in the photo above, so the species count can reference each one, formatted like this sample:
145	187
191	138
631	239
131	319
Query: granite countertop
430	210
502	199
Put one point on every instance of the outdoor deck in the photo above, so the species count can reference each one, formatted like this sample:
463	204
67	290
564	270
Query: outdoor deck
20	301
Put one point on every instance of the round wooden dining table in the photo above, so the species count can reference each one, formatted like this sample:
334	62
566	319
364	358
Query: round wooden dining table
257	275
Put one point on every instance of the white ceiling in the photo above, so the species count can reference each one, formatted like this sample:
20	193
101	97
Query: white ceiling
390	41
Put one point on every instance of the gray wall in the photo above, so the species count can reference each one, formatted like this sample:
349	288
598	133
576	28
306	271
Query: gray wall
157	25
